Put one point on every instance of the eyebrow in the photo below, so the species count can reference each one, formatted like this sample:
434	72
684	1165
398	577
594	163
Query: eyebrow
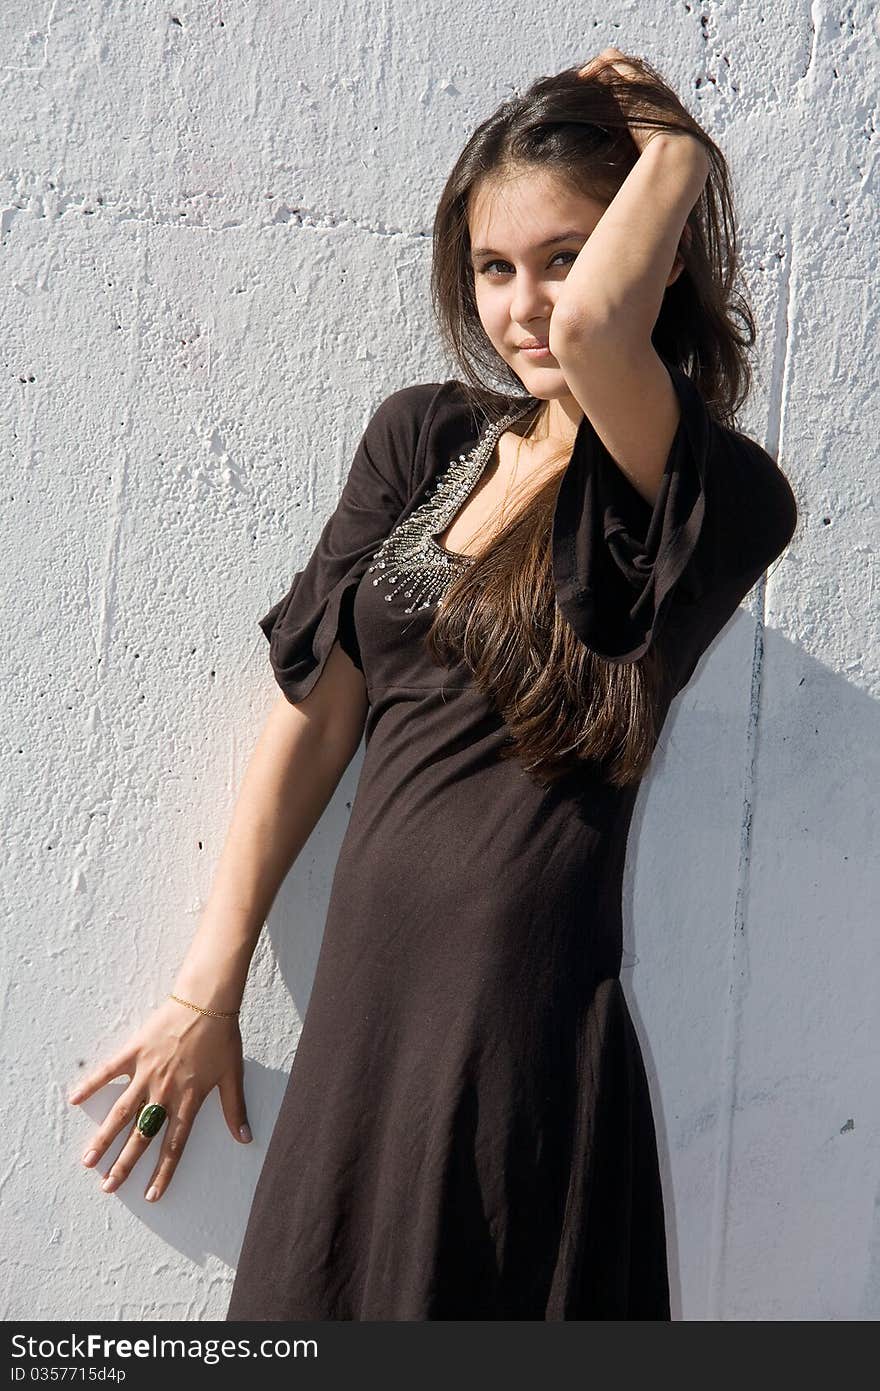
540	246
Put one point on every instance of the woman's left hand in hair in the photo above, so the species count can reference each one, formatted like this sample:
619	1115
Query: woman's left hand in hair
613	58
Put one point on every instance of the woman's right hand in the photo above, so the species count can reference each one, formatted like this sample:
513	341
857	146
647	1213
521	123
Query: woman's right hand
176	1058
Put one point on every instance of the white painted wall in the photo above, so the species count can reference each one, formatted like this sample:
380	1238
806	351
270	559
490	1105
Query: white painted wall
215	249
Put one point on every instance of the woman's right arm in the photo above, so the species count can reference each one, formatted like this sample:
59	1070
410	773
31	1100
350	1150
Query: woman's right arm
293	772
178	1055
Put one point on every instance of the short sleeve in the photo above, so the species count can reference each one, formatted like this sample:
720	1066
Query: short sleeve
625	570
317	608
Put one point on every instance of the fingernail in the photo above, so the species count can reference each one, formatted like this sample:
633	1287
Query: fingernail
245	1132
110	1183
152	1194
73	1098
90	1157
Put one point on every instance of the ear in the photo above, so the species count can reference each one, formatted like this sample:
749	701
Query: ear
678	263
677	268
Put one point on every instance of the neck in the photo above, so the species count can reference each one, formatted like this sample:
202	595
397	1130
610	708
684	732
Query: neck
558	422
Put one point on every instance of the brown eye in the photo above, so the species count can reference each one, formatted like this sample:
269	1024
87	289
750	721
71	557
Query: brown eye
487	268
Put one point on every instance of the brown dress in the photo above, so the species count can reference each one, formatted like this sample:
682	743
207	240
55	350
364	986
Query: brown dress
467	1129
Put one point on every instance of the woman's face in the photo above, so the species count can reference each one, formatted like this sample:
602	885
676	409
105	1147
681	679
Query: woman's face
518	279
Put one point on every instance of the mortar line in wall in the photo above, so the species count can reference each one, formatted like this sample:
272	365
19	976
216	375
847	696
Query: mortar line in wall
109	568
282	214
739	978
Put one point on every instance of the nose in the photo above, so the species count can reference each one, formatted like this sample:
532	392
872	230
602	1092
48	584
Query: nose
531	301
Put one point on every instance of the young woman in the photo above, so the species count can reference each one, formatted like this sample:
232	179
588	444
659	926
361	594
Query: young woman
512	589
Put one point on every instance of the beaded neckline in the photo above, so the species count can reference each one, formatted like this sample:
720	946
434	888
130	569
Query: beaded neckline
410	553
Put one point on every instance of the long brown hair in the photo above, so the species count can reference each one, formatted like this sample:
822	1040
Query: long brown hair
561	702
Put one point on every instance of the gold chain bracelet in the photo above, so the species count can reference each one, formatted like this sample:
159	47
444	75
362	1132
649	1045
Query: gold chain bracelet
214	1013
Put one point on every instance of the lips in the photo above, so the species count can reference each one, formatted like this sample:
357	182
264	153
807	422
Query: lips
533	343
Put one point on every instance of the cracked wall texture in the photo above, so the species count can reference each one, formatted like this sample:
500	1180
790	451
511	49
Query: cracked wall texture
215	231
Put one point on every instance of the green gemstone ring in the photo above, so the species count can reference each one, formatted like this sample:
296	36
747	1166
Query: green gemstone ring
150	1119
